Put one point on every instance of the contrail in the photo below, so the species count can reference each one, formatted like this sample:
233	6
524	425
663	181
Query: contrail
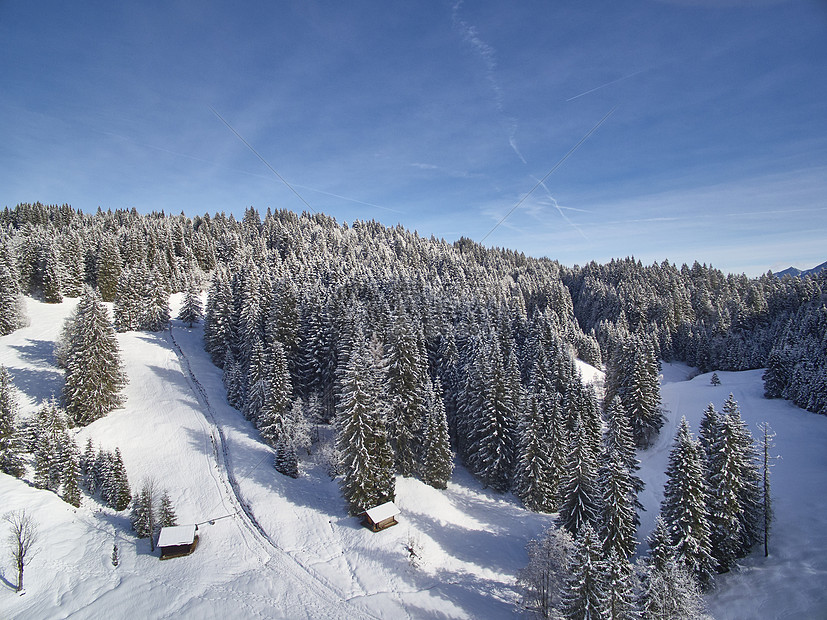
560	211
591	90
264	161
549	173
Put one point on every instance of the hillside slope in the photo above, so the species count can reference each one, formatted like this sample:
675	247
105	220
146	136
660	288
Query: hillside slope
279	547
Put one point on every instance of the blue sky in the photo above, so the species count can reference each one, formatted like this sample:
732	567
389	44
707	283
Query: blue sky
439	116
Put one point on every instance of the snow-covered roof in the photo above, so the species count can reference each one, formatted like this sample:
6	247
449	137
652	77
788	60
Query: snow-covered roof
176	535
382	512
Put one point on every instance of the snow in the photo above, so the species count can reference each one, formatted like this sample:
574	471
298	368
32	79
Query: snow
272	546
176	535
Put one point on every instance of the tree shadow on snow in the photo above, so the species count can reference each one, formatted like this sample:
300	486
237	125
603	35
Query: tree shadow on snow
40	352
39	385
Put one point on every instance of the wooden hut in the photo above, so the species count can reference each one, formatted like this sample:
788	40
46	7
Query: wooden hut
381	517
177	541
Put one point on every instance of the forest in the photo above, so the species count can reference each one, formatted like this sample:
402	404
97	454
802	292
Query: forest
417	349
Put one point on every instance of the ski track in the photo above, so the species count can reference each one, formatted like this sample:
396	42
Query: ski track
323	588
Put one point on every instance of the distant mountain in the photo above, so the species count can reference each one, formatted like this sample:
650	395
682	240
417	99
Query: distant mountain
792	271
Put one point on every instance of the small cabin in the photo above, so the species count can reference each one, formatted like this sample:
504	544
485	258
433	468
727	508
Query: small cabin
381	517
177	541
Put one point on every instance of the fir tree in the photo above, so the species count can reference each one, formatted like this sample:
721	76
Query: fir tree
747	464
715	380
684	506
144	517
618	439
536	478
584	596
94	372
118	492
617	506
406	375
190	312
71	475
115	556
579	497
11	459
11	301
166	512
437	463
366	455
621	586
51	437
271	418
286	461
767	436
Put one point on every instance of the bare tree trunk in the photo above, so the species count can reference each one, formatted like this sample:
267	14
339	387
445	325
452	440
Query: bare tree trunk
22	538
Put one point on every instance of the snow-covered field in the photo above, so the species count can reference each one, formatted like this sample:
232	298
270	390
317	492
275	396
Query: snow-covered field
279	547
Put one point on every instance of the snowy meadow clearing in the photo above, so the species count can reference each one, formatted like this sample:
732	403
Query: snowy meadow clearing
271	546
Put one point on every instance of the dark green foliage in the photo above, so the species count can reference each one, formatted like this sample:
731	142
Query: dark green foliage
166	511
684	506
537	475
11	449
579	494
191	311
366	455
585	595
436	460
406	377
94	372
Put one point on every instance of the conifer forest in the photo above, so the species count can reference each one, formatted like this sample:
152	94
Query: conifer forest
419	355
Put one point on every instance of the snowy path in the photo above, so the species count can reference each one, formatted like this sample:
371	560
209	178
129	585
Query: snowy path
320	588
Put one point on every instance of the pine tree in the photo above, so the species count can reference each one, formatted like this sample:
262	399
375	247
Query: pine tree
71	475
715	380
190	312
579	497
406	376
621	586
747	464
437	463
11	459
118	492
584	596
108	268
684	506
661	549
94	371
366	456
166	512
271	418
11	301
115	556
536	478
493	426
617	506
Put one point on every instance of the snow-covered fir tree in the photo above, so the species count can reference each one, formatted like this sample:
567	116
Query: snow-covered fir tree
11	449
166	511
366	456
584	595
537	475
579	495
70	481
406	377
277	401
437	459
94	371
190	312
11	301
617	509
684	506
